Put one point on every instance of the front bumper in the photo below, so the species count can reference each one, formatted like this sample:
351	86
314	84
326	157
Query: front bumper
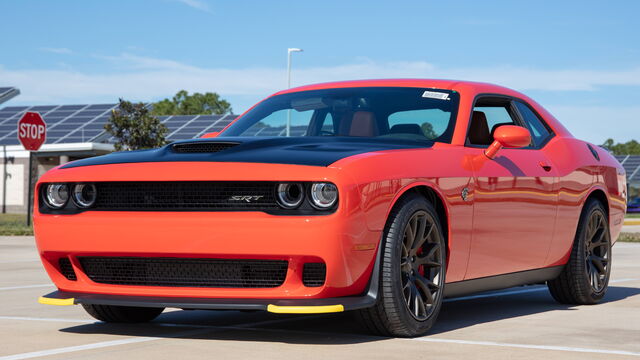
279	306
342	240
345	246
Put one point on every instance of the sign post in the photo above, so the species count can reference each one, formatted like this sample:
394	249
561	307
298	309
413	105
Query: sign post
32	133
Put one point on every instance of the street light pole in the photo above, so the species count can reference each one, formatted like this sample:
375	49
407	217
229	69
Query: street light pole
289	51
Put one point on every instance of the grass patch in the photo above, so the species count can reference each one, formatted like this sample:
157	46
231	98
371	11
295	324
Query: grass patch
629	237
14	224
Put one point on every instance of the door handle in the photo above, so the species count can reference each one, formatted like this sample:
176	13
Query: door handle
545	166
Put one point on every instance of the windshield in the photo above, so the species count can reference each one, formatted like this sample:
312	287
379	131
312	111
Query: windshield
385	112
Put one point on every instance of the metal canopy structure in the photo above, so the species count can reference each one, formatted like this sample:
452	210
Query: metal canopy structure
85	123
8	93
631	164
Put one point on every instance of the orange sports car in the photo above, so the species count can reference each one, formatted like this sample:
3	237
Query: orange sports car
380	197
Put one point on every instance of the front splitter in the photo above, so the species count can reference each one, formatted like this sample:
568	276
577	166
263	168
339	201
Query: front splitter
281	306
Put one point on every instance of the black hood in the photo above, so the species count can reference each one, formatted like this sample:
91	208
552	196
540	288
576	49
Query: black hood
314	151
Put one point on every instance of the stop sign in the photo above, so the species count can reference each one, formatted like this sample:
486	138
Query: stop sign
32	131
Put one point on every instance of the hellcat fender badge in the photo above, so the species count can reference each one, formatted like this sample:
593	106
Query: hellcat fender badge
465	194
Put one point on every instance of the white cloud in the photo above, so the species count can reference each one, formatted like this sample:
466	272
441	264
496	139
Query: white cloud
56	50
197	4
145	79
135	62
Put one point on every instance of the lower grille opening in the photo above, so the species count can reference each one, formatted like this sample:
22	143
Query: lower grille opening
314	274
185	272
66	269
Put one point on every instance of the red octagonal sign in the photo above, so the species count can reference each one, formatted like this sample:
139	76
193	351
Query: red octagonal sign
32	131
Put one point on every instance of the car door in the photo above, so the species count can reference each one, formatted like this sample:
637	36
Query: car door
515	195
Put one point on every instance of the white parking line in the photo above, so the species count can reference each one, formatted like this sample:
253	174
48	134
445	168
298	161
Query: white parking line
26	287
68	349
463	342
528	346
98	345
200	329
25	318
18	261
513	292
252	327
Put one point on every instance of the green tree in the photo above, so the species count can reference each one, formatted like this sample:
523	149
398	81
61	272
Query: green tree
428	131
135	127
631	147
196	104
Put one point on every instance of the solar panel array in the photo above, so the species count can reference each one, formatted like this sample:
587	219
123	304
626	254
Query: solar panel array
7	93
85	123
631	164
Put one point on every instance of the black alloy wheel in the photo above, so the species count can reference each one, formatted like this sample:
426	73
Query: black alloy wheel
585	277
412	271
420	265
597	252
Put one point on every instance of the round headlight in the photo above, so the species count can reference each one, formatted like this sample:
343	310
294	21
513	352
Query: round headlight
57	195
323	195
290	195
84	195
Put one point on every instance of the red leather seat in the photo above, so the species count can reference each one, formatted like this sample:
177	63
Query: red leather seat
362	124
479	133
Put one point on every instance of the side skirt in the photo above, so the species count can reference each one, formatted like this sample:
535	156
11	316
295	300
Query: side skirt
466	287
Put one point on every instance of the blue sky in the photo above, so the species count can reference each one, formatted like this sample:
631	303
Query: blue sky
580	59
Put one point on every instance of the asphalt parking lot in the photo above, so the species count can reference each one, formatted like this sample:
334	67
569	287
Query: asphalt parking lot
519	323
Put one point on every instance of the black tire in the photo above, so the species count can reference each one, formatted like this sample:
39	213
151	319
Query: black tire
585	277
402	281
122	314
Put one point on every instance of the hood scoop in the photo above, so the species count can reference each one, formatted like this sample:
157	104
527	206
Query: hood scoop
202	147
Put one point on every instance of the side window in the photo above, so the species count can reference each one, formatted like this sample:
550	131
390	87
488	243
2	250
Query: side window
328	127
429	123
539	132
488	114
496	116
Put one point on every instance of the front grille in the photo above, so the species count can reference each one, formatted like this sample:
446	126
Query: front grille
66	269
202	147
185	272
314	274
186	195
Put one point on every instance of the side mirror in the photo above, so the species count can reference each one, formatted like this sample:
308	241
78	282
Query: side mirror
509	136
210	135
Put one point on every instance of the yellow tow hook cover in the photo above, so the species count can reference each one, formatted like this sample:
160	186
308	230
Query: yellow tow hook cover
304	309
59	302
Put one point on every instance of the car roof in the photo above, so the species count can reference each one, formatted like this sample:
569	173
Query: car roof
478	87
